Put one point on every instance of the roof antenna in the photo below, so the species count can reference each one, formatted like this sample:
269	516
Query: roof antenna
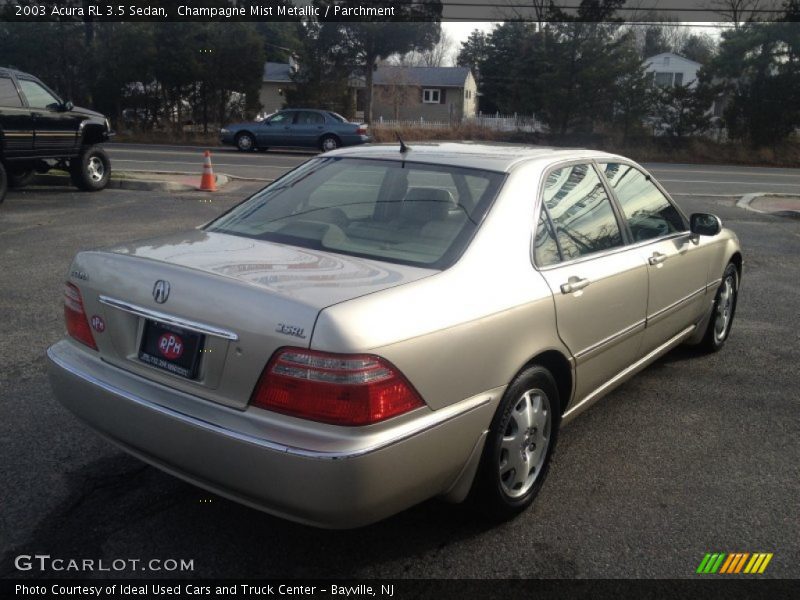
403	147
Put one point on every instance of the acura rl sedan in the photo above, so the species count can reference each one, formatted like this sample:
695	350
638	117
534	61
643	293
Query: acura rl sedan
387	324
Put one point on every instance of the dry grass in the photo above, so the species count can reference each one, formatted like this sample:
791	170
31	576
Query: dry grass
166	137
647	149
706	151
457	132
644	150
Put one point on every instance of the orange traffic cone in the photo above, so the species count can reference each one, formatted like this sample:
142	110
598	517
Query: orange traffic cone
208	183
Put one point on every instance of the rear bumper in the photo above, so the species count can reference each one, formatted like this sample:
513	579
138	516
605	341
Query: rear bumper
374	477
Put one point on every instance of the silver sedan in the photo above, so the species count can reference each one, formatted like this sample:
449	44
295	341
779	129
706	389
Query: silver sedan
386	324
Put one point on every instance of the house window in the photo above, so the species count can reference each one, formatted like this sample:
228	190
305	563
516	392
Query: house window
664	79
668	79
431	96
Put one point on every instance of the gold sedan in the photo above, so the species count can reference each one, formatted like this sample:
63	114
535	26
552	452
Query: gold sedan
384	325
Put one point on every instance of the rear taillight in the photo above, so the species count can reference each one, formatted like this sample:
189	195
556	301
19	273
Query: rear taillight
362	130
342	389
75	316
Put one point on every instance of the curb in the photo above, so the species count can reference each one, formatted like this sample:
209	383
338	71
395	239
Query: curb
131	184
746	201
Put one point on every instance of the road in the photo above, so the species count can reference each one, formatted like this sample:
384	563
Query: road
696	454
709	180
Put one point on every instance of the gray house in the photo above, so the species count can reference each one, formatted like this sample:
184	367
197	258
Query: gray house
398	93
430	93
274	83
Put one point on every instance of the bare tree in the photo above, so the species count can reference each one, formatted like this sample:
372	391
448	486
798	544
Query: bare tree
440	55
737	11
395	90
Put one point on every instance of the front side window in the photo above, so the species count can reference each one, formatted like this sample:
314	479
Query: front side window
649	213
37	96
431	96
8	93
409	213
580	211
283	118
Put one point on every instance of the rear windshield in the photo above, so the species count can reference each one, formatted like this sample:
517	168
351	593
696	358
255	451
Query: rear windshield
409	213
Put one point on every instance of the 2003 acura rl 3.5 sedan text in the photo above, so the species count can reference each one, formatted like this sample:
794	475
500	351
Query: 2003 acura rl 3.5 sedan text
383	325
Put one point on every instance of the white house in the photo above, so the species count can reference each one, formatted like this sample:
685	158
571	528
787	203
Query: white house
670	69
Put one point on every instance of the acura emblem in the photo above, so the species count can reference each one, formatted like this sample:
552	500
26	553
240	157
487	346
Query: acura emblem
161	291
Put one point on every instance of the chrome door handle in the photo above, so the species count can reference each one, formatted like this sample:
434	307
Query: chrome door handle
574	284
657	258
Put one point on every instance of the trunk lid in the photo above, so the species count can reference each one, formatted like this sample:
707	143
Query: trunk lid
245	299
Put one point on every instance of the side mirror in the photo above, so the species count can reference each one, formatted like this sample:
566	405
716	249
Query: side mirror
705	224
67	106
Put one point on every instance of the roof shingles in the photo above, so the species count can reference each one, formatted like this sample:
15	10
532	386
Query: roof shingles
422	76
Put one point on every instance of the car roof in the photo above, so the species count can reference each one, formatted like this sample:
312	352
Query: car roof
486	156
17	72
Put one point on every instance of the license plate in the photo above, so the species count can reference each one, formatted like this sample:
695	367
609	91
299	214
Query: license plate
171	348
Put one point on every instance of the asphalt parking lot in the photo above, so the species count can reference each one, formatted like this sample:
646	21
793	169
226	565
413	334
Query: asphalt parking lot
696	454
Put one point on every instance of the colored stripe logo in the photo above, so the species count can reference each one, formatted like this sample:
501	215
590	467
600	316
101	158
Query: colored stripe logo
734	563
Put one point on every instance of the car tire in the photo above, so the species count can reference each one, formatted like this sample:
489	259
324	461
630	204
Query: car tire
719	326
18	179
3	182
523	433
329	142
245	142
91	170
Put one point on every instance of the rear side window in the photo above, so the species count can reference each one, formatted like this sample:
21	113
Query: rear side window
545	248
8	93
395	211
649	213
581	212
309	118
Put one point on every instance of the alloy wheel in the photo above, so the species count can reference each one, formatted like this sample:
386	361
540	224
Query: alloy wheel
526	438
95	169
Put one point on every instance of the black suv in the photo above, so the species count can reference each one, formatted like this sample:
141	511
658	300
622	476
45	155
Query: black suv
39	131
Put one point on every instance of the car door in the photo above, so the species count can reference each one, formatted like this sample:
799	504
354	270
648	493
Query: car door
599	285
307	128
677	269
16	122
55	129
276	130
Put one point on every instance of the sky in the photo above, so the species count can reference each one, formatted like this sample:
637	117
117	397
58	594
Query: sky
460	31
